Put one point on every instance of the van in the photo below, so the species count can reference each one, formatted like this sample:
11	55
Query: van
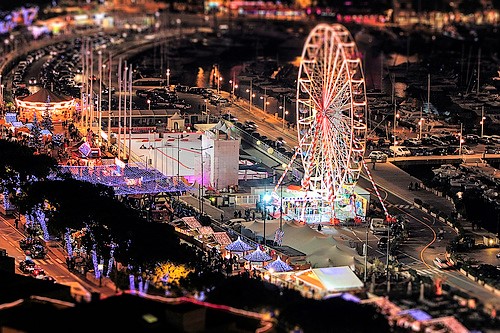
400	151
149	83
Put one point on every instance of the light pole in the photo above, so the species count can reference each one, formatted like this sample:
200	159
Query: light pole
388	252
178	138
201	203
99	104
421	124
396	116
168	78
233	85
266	199
250	96
1	92
365	275
206	110
264	100
482	120
284	112
460	141
100	268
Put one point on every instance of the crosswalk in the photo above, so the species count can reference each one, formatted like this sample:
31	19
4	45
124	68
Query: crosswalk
402	206
429	272
47	261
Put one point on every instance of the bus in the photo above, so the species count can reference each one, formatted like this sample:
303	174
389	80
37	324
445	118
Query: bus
149	83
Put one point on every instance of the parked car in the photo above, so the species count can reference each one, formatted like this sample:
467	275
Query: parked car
492	150
32	81
377	156
400	151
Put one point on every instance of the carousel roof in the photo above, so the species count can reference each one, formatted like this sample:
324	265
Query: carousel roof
45	95
239	246
279	266
258	256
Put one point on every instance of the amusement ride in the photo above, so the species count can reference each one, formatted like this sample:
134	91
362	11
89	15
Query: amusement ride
331	128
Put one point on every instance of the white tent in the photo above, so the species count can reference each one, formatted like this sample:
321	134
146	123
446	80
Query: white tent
321	250
330	279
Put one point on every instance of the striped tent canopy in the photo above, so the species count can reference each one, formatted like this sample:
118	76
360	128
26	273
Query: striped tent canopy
258	256
239	246
278	266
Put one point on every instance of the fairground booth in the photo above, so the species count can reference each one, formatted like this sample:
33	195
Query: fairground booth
291	198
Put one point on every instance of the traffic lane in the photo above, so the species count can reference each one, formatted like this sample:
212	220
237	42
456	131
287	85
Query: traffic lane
52	264
267	124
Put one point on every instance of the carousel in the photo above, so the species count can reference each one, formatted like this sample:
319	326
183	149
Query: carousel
60	107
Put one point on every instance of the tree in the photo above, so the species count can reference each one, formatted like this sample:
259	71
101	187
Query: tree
19	167
36	134
46	117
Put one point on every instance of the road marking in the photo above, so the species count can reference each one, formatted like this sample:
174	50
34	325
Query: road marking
59	260
428	272
401	206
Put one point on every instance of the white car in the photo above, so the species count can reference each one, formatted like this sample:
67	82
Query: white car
378	156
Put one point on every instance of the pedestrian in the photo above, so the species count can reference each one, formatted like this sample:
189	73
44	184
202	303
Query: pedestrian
221	217
417	186
239	214
235	214
253	215
16	222
410	187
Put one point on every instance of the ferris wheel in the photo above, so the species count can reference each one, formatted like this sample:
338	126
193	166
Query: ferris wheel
331	118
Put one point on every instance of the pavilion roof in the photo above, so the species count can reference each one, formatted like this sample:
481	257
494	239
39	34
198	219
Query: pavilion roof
239	246
258	256
279	266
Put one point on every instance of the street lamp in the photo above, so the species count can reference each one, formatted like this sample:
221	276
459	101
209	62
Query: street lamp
168	78
206	110
266	198
396	117
284	112
201	150
178	138
265	103
149	104
482	119
233	86
250	96
461	141
421	124
100	268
